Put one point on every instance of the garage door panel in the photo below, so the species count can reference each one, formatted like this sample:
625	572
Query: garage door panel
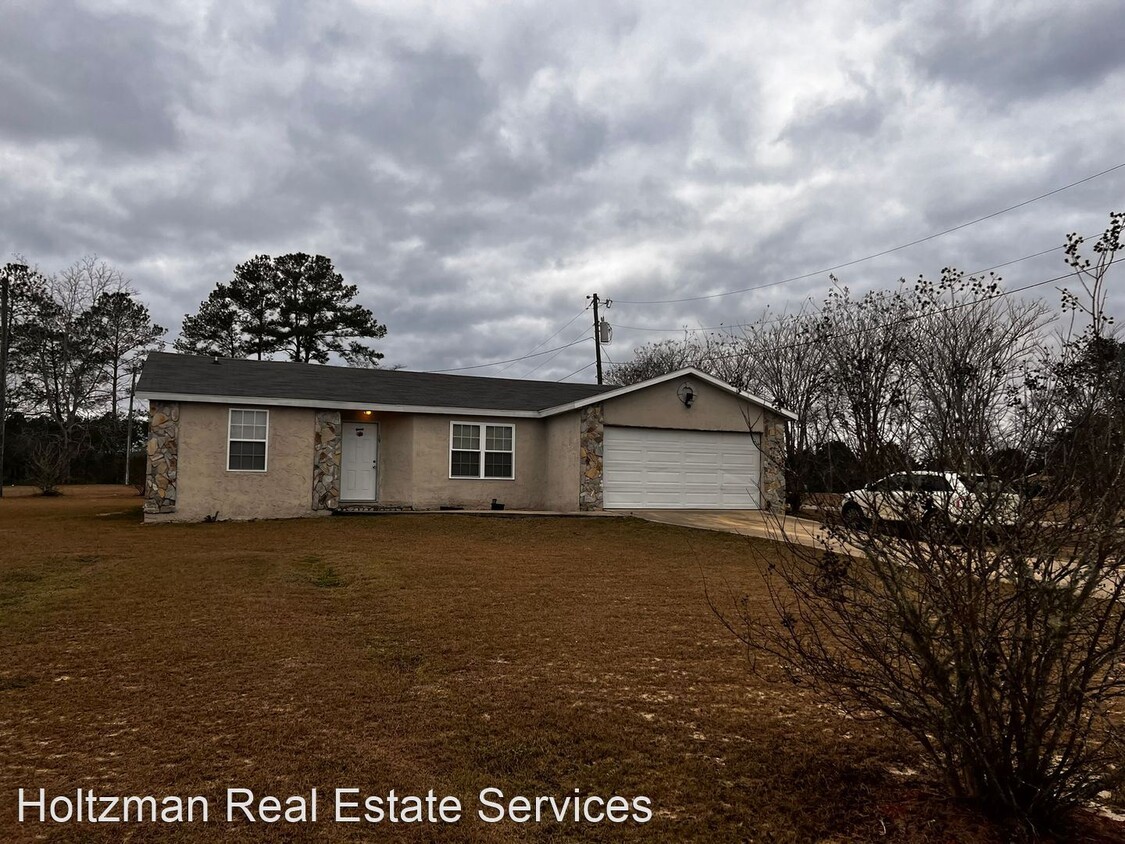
731	463
698	455
700	479
666	501
742	488
662	468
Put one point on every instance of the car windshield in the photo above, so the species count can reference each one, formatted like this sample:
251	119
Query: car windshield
932	483
984	484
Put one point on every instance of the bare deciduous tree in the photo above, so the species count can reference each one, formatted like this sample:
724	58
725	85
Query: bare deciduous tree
782	360
58	354
654	359
866	343
970	347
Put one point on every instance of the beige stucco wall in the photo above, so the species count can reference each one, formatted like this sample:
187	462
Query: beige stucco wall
659	406
434	488
396	458
206	487
414	463
563	467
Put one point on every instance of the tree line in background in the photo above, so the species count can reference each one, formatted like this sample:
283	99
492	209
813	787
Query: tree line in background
72	343
946	374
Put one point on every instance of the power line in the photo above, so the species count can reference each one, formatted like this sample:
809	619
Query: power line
721	327
542	363
913	318
553	336
581	369
782	317
509	360
579	339
855	261
1017	260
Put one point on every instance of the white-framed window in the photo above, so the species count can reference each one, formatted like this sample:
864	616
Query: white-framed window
247	437
480	450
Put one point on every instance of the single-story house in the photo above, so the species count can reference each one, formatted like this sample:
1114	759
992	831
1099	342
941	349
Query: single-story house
266	439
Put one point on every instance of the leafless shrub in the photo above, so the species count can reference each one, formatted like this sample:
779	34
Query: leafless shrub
998	647
47	465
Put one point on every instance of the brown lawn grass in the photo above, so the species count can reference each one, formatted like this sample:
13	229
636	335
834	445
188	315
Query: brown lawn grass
416	652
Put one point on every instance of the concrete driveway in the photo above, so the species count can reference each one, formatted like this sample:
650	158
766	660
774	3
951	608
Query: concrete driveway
745	522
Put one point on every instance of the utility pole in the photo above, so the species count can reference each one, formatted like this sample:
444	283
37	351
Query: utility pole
4	330
598	330
129	422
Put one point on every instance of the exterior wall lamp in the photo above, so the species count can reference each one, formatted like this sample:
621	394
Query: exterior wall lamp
686	394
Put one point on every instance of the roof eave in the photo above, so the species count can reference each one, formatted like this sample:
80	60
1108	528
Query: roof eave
272	401
679	373
609	395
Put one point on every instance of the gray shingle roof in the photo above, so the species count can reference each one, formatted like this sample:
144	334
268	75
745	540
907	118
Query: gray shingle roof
193	375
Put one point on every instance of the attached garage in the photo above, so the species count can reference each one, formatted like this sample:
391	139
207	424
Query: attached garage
655	468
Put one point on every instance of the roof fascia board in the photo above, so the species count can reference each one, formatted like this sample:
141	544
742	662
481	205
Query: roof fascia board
468	411
153	395
660	379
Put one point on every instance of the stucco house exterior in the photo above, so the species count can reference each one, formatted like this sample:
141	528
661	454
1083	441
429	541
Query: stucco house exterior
251	439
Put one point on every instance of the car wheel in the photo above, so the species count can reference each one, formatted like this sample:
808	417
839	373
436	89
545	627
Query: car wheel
936	523
853	517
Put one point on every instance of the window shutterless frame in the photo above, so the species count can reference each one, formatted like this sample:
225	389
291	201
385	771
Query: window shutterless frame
254	414
469	440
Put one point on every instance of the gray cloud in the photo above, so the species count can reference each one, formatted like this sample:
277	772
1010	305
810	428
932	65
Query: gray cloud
477	172
855	118
70	74
1026	53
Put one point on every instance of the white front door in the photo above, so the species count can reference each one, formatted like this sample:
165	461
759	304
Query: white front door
359	459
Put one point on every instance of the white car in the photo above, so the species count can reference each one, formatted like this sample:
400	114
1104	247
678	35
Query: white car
933	500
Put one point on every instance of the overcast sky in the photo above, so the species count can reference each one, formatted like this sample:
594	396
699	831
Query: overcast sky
477	169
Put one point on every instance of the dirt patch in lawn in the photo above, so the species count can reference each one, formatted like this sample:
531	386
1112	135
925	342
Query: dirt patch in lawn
443	652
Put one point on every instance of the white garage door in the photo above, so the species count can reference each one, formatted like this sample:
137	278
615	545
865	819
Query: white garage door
650	468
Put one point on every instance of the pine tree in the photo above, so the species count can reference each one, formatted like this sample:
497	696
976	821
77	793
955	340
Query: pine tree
124	328
214	330
297	304
317	315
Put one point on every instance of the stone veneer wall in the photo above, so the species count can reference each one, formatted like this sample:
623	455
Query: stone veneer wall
163	457
327	448
773	464
590	439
